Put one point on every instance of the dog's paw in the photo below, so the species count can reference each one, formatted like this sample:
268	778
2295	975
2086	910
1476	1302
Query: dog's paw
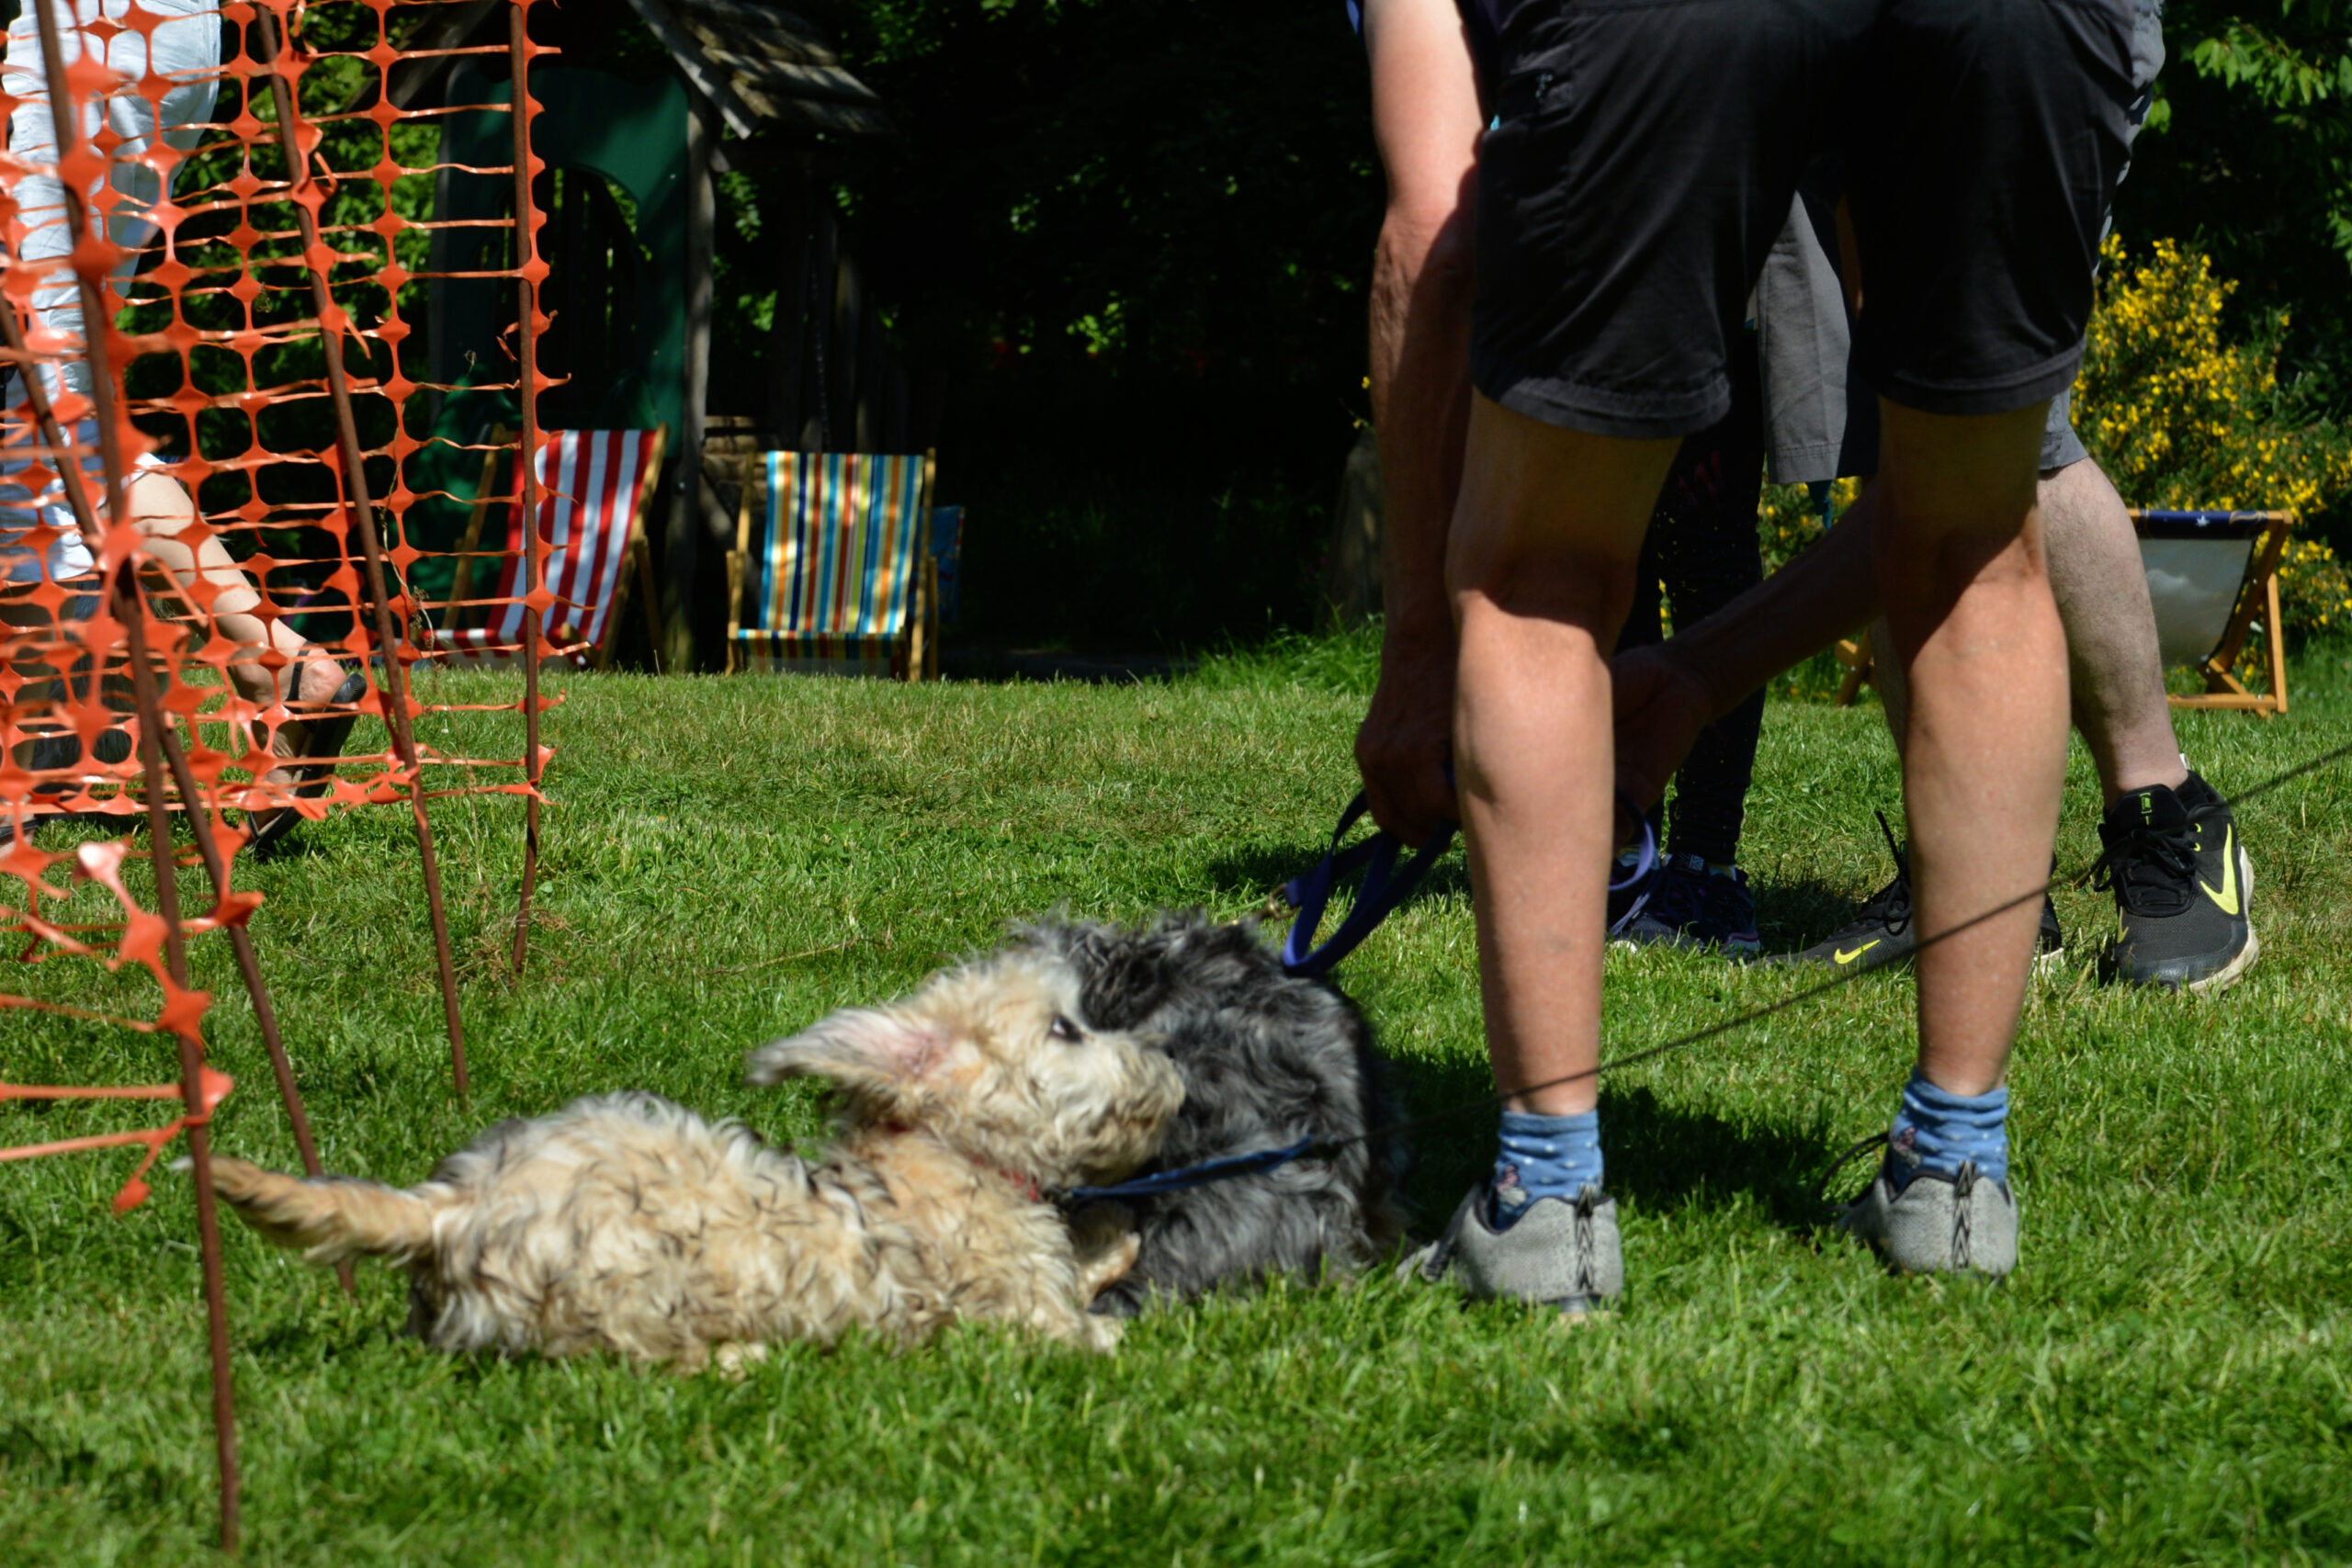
735	1361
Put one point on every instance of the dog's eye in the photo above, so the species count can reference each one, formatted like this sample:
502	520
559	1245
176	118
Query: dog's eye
1065	1031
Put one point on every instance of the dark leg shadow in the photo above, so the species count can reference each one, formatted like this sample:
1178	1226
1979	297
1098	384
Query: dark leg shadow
1790	916
1258	870
1660	1156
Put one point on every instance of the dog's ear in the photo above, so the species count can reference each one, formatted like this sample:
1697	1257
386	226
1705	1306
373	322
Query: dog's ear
1124	984
858	1047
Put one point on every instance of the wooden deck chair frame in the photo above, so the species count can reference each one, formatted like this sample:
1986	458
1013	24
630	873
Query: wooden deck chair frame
636	562
2257	600
919	641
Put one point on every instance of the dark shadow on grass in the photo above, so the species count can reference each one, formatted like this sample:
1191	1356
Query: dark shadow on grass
1794	915
1256	870
1660	1156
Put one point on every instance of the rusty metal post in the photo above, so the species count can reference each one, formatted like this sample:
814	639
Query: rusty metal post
362	512
527	285
95	324
240	942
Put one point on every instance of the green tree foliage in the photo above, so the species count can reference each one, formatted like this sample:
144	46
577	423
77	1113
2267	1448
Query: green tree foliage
1137	234
2248	159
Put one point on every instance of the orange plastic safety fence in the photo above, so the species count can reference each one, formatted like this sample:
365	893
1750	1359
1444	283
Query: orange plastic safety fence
133	1191
226	268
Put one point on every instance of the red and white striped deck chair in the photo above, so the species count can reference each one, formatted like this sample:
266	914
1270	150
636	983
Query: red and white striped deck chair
593	487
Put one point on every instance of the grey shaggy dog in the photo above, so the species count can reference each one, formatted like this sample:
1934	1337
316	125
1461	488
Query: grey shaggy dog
1267	1059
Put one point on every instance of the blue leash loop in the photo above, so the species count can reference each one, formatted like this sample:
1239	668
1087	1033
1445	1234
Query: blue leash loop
1385	886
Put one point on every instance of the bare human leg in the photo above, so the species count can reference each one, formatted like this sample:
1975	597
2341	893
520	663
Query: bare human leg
1540	565
279	666
1975	630
1425	116
2115	674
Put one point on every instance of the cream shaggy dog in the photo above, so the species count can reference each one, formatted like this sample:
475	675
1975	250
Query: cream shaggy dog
625	1223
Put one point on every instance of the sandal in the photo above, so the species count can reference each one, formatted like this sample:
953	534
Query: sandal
324	743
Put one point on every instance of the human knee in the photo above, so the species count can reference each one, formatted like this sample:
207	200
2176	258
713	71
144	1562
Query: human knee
1527	579
159	505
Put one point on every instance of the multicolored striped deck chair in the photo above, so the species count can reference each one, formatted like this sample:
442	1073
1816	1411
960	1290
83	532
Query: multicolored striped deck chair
831	572
2213	577
594	485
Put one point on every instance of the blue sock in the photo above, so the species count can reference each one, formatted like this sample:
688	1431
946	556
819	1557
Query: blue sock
1936	1131
1544	1157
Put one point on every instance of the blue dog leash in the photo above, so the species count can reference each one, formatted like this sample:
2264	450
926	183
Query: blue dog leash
1385	886
1220	1170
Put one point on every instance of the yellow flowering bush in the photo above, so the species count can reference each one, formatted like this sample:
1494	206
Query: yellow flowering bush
1788	519
2180	417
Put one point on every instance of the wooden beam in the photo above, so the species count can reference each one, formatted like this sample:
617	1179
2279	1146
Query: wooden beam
816	386
699	71
842	358
682	548
787	329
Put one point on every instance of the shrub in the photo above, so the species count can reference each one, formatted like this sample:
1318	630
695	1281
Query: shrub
2179	416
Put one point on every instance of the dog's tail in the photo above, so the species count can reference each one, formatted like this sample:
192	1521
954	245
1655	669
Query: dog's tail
329	1218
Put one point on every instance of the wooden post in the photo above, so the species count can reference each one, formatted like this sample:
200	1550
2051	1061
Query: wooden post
873	384
840	411
2274	632
682	547
787	329
816	433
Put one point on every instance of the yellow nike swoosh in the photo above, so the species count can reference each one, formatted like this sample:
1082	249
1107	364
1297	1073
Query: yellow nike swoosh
2225	897
1844	956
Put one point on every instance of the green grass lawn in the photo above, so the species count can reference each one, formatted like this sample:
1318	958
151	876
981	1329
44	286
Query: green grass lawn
2165	1378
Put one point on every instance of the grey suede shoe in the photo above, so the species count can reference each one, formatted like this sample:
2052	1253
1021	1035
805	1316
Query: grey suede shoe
1558	1254
1938	1224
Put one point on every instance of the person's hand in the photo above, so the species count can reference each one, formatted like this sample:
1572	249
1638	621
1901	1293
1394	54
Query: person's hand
1662	707
1406	738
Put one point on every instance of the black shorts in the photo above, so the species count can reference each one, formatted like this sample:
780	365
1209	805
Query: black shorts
1646	152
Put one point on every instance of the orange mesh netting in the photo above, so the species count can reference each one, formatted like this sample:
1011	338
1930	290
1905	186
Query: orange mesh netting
256	275
232	497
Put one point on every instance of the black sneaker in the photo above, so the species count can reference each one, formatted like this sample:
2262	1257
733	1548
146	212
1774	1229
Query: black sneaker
1628	895
1699	904
2183	887
1880	933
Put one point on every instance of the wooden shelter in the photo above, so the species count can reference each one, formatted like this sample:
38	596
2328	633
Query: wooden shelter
631	198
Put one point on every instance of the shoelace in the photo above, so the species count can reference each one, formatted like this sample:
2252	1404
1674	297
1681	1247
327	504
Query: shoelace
2150	869
1892	907
1964	1195
1587	1201
1681	898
